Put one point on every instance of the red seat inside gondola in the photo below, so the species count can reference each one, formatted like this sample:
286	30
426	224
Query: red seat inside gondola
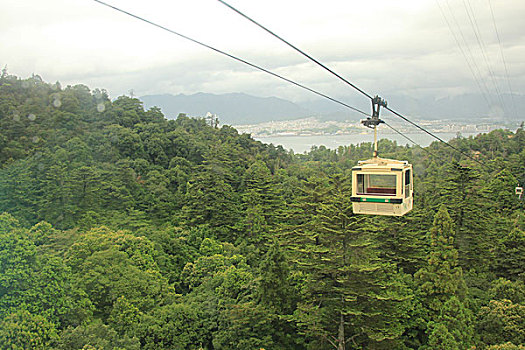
380	190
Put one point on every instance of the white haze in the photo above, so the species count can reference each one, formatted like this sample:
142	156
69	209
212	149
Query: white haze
385	47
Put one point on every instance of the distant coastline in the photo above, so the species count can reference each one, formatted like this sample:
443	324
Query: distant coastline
301	134
301	144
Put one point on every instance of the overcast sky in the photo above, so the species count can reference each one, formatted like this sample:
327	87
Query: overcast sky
385	47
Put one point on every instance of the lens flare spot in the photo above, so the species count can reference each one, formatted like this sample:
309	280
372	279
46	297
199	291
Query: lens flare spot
31	117
16	117
101	107
57	103
36	139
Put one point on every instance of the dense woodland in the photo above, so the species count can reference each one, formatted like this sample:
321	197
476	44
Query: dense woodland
120	229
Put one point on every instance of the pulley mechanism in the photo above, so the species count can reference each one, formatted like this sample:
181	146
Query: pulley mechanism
373	121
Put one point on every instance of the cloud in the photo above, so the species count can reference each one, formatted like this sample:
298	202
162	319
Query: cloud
401	47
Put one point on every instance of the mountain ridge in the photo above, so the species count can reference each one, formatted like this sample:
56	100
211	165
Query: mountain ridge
240	108
232	108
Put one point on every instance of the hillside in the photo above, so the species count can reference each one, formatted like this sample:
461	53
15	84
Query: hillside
240	109
232	109
121	229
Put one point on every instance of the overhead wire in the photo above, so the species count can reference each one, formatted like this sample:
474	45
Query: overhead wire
293	82
343	79
434	136
503	58
265	70
409	139
467	60
477	33
470	56
279	76
231	56
295	48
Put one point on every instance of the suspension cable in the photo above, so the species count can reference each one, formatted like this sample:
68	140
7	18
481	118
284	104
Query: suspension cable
477	33
474	69
346	81
294	47
231	56
284	78
434	136
409	139
503	59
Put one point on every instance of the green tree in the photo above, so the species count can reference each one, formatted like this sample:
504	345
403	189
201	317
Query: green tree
96	335
212	201
174	326
261	201
17	189
506	346
500	192
510	255
442	289
109	265
275	290
502	321
440	338
245	326
23	330
18	256
351	298
277	294
124	316
462	196
34	280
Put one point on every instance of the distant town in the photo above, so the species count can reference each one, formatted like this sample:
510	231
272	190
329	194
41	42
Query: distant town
313	126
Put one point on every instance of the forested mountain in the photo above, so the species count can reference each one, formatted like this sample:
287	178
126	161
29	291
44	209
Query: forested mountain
234	108
121	229
238	109
471	107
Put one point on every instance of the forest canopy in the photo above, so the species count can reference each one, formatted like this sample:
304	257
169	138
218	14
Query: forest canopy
121	229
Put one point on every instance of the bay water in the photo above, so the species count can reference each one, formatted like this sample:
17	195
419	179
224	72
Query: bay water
301	144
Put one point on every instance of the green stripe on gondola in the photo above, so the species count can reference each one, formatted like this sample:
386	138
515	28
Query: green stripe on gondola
376	200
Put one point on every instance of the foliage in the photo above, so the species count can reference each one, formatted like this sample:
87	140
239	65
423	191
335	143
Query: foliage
23	330
443	290
120	229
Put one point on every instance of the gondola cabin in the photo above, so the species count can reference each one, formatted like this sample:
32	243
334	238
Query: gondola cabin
382	187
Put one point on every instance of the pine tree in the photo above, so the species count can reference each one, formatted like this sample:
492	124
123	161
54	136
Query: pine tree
211	201
401	240
461	195
510	255
275	290
278	296
442	288
261	202
351	298
500	193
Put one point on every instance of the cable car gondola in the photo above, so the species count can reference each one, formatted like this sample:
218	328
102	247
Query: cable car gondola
381	186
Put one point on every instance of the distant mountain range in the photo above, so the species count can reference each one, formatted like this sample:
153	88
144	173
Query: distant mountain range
240	108
232	109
